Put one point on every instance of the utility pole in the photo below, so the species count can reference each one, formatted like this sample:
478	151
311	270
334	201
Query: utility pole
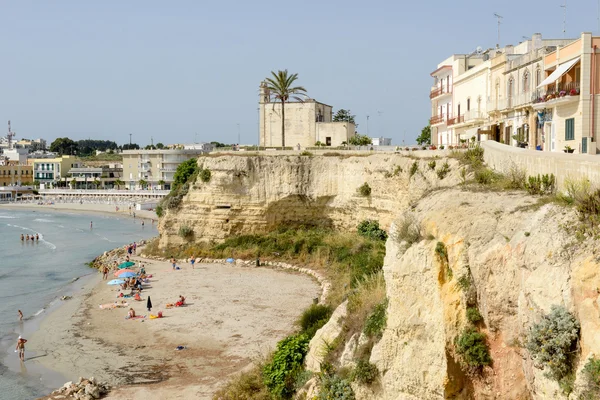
498	17
564	7
239	140
367	125
130	140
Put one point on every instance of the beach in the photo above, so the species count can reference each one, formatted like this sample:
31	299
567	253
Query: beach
232	316
84	208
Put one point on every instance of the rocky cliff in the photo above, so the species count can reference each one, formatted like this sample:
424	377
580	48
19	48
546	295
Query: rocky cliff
254	193
520	262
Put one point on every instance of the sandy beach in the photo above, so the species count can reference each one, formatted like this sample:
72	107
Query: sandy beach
233	314
86	208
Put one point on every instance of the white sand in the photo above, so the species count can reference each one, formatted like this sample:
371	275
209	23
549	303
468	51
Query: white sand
233	314
83	208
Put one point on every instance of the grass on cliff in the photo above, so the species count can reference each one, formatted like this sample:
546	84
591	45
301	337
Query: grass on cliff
344	257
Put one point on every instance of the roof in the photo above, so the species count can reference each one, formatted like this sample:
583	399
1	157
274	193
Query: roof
440	69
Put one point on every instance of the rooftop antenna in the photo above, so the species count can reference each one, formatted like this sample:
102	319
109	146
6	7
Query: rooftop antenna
526	37
9	136
499	17
564	6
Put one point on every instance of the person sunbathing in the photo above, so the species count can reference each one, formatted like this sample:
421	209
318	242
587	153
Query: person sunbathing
137	297
180	302
131	313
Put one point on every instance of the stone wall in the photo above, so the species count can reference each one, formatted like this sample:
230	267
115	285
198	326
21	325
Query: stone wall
256	193
574	166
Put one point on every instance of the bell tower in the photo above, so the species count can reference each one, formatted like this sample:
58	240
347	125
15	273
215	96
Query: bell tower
264	98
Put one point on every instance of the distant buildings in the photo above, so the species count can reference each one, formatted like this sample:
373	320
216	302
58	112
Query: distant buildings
306	123
381	141
52	172
154	167
105	177
539	94
15	174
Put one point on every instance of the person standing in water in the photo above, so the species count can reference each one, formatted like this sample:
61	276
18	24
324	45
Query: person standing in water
22	237
91	223
37	237
21	348
20	315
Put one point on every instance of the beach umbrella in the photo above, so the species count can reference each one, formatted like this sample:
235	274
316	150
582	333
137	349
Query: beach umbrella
149	304
127	275
126	264
116	282
119	272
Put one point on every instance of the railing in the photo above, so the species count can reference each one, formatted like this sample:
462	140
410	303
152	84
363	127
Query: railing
456	120
473	115
556	91
438	91
436	119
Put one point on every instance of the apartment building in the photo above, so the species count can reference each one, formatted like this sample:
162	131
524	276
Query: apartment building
154	169
105	177
15	174
511	95
51	172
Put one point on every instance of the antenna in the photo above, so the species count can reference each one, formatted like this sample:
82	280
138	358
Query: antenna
564	7
526	37
10	135
499	17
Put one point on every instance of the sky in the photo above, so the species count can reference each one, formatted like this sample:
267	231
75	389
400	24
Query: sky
189	71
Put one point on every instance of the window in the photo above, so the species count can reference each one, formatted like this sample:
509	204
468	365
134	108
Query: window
570	129
509	91
458	110
526	81
469	104
538	77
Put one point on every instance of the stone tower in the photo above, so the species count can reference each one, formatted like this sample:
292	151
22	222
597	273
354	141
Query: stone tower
264	97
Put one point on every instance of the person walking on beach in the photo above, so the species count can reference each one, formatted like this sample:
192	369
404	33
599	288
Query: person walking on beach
105	273
193	261
21	348
20	315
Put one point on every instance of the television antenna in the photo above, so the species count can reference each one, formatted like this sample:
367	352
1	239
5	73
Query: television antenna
498	18
10	135
564	7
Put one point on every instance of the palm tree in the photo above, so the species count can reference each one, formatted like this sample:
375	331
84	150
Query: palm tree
96	183
280	87
162	184
143	183
73	183
118	183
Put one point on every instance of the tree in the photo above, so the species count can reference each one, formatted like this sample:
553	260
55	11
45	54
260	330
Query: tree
73	183
161	183
96	183
360	140
425	137
143	183
64	146
133	146
119	183
281	89
184	171
150	147
160	146
343	115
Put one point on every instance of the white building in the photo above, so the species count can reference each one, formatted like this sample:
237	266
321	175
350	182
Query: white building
381	141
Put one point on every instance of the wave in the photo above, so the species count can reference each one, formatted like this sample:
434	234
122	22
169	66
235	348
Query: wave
43	220
7	217
46	243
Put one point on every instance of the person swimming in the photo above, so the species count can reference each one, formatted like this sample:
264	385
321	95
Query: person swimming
27	237
22	237
37	237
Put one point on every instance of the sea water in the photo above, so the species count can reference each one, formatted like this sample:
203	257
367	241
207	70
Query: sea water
34	275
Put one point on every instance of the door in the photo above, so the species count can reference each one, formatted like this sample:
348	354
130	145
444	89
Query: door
552	136
328	141
584	145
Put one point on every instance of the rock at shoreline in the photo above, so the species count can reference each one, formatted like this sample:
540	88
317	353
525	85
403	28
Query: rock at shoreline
84	389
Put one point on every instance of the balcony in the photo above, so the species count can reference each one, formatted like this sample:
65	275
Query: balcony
436	120
554	95
456	120
439	91
473	115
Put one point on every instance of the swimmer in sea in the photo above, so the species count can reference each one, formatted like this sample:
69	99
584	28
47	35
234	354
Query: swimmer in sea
27	237
22	237
37	237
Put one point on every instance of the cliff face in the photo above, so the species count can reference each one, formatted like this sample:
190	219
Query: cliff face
521	263
248	194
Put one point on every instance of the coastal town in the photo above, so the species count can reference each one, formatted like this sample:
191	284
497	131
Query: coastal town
367	205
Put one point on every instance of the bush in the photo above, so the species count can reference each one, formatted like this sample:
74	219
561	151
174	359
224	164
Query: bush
541	184
485	176
185	171
431	165
591	374
313	318
185	231
365	372
464	282
370	228
472	348
159	211
246	386
553	341
280	374
441	253
413	169
306	153
376	322
516	177
473	156
364	190
443	171
473	315
408	230
397	170
335	388
205	175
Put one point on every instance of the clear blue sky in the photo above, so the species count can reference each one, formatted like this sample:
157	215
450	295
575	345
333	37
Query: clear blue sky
173	69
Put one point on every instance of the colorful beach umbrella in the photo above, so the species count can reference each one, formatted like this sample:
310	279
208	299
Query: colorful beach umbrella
119	272
116	282
127	275
126	264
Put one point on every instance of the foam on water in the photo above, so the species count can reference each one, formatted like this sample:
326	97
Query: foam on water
35	274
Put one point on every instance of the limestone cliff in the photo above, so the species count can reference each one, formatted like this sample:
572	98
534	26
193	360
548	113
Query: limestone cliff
521	263
254	193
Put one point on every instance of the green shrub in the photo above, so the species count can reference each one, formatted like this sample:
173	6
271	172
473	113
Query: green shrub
397	170
335	388
159	211
413	169
541	184
471	346
185	171
306	153
364	190
431	165
186	231
205	175
485	176
441	253
247	385
464	282
463	175
443	171
376	322
473	156
365	372
280	374
408	230
313	318
553	341
591	375
473	315
516	177
370	228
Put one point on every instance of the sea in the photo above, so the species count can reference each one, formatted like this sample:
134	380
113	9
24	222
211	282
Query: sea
35	275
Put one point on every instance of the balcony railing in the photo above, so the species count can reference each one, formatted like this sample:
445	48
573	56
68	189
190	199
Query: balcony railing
456	120
556	91
436	119
473	115
438	91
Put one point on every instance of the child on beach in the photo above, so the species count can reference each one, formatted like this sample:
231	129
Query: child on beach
20	315
21	348
193	261
173	262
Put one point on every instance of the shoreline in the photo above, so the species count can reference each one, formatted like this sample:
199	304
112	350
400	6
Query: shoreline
228	322
85	208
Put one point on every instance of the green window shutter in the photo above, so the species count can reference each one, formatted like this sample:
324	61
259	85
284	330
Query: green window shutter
570	129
